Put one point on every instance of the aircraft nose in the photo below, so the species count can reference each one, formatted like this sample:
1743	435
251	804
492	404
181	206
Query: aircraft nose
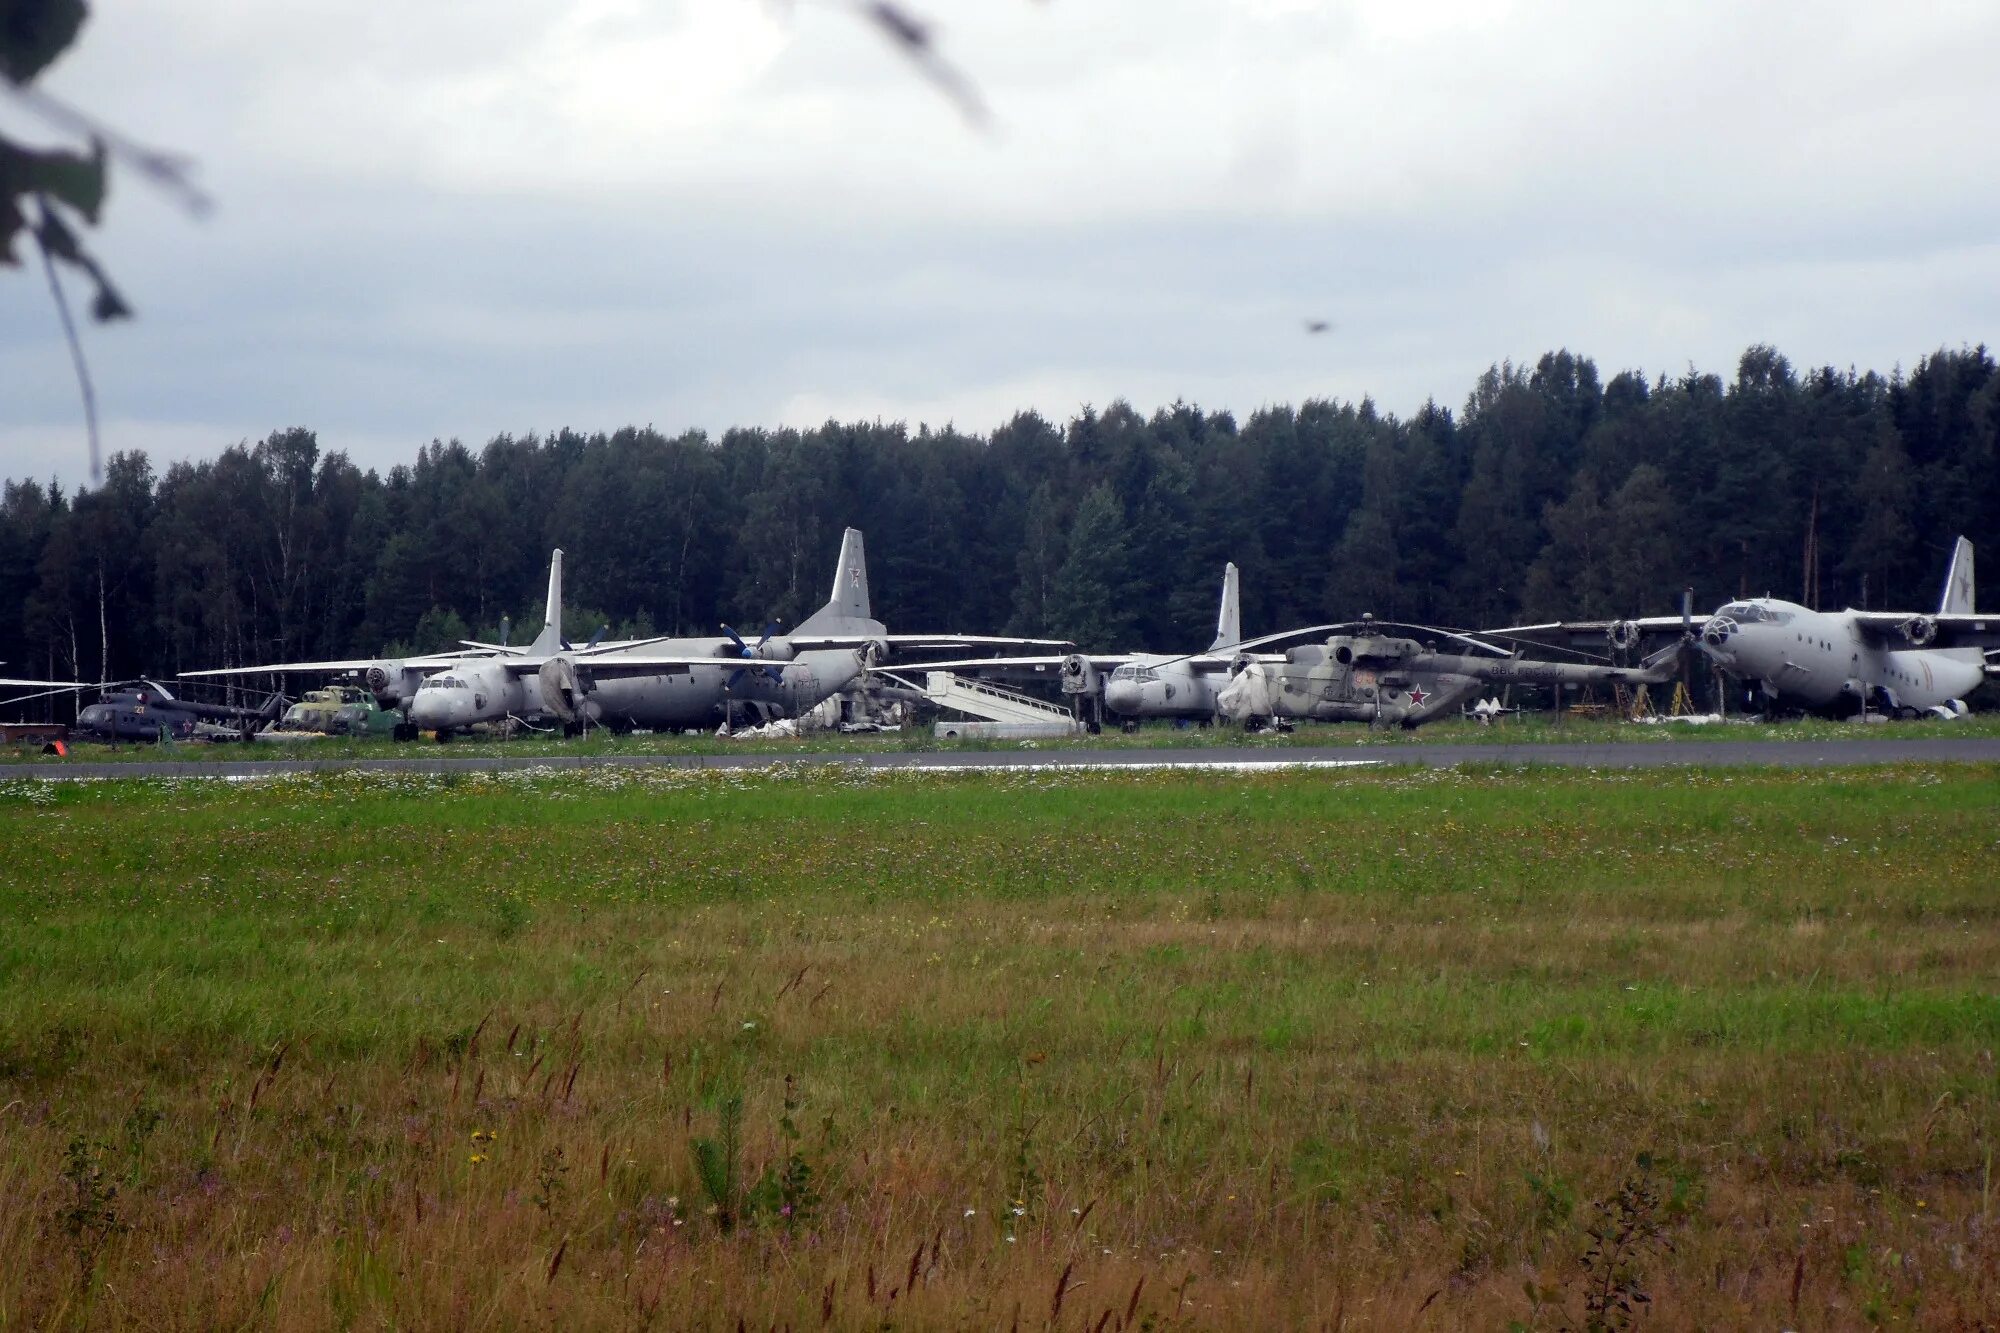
1122	696
1717	631
430	710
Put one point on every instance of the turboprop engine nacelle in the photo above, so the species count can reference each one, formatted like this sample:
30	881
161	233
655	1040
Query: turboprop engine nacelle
1622	635
563	693
1919	630
1080	675
392	683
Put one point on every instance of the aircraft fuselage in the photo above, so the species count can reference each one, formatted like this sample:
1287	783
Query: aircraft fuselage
1159	687
485	690
1820	661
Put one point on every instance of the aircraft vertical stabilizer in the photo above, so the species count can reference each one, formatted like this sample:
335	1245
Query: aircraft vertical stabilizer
846	610
1958	590
1229	620
550	639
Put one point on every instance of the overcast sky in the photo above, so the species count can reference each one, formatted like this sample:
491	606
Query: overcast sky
465	217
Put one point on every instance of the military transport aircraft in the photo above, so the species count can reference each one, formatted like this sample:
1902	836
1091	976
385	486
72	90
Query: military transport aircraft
659	682
1900	663
1145	685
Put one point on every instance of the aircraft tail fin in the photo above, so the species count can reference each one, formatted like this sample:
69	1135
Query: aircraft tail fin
1228	620
550	640
846	609
1958	589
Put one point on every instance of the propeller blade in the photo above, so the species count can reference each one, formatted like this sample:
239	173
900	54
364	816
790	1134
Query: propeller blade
506	628
729	686
1687	610
737	639
597	638
770	628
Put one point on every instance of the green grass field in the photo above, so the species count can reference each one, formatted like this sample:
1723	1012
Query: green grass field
826	1047
1519	729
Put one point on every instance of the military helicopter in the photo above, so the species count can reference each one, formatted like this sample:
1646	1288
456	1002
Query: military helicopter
336	710
145	710
1377	673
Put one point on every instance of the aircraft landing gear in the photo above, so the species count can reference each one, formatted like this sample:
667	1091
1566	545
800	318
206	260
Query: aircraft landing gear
403	731
1129	727
443	735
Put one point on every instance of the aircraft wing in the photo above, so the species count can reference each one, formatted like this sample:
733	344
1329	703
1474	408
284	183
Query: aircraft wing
1581	629
638	664
521	649
1906	632
1209	663
1102	661
919	641
278	667
1586	635
355	664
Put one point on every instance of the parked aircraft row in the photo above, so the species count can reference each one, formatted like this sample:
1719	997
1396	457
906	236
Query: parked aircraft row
1899	663
661	682
1365	671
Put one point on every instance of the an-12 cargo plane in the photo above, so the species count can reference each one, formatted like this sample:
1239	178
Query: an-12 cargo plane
1898	663
660	682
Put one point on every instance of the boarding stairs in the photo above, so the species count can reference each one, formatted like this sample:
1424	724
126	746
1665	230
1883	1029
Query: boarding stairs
999	710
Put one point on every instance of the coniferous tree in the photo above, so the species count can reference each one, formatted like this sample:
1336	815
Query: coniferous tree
1089	602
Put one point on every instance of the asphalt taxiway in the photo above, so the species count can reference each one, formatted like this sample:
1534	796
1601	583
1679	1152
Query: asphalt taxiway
1818	753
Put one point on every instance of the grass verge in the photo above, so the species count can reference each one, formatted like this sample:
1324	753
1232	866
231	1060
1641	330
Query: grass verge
832	1047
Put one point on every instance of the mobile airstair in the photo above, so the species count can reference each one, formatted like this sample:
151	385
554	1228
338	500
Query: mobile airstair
996	712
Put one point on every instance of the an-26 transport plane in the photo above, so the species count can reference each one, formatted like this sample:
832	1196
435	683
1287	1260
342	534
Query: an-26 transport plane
1900	663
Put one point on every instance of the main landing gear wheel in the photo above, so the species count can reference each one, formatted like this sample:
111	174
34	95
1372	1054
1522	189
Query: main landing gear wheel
443	735
403	731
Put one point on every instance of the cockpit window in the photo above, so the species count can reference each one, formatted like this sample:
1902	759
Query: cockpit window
1743	613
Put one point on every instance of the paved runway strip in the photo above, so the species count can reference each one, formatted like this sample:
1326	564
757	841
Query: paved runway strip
1867	750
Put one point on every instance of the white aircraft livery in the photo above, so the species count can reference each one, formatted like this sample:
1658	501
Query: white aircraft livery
1900	663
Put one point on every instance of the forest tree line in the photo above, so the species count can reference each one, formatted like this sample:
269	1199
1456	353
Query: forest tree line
1548	493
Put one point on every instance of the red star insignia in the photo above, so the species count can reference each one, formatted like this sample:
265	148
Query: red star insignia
1417	695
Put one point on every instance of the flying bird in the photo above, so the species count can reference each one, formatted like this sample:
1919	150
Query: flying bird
913	35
